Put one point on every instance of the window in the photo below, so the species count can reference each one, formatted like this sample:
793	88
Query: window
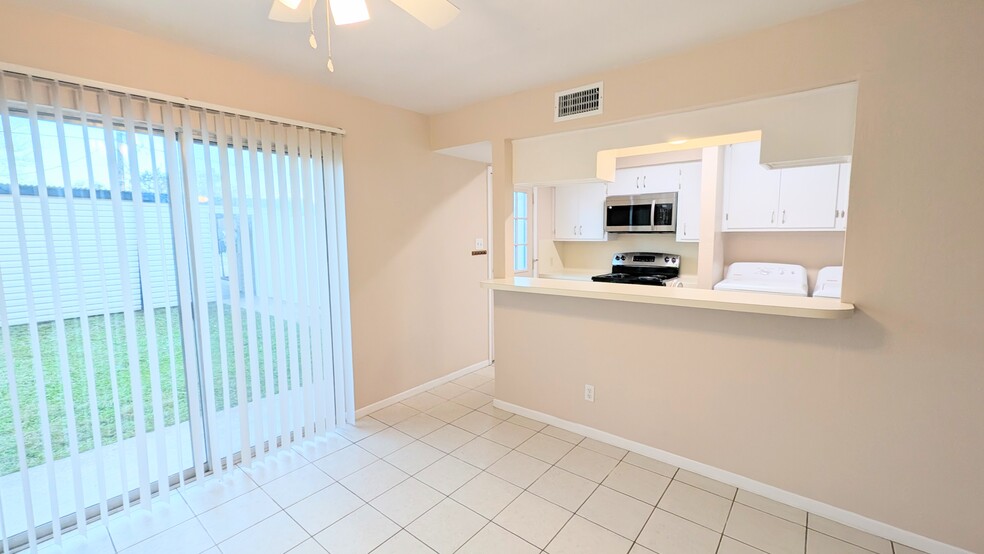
173	297
522	251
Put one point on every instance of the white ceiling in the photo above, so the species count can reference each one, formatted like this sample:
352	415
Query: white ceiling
494	47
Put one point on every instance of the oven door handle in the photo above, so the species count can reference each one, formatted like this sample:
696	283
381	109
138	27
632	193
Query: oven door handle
652	215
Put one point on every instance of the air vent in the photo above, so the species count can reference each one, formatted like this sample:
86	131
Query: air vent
579	102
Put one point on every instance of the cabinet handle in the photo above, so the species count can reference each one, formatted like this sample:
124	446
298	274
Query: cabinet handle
643	181
637	182
580	230
575	230
784	217
684	229
773	220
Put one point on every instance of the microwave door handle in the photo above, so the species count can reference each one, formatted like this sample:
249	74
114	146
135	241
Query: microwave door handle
652	216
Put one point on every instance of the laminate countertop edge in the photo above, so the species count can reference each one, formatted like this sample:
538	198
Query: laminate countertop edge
747	302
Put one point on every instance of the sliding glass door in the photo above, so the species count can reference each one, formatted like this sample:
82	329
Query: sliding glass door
173	298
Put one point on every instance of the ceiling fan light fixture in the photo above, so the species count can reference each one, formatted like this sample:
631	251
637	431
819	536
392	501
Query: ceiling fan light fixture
292	4
345	12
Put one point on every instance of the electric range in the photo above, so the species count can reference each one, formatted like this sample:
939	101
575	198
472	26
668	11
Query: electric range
642	268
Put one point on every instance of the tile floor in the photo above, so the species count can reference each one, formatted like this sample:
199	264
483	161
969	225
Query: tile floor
447	472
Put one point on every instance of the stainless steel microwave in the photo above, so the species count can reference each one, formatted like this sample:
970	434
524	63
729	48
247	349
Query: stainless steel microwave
643	213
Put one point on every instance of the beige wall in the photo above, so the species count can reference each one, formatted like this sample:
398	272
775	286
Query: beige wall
598	255
812	250
880	414
413	216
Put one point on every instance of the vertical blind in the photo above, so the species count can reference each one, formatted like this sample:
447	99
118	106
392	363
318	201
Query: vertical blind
173	297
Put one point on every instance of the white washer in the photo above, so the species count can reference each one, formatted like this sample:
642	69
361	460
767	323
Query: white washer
786	279
829	282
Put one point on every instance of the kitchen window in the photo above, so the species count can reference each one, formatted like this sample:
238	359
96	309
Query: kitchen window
522	249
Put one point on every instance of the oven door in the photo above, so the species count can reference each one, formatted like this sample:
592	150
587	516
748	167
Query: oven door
628	214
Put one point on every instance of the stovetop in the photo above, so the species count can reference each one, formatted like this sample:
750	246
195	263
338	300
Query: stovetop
642	268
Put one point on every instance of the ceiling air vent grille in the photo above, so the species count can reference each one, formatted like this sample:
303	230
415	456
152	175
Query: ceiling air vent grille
579	102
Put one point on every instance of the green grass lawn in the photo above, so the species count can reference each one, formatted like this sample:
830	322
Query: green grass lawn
102	342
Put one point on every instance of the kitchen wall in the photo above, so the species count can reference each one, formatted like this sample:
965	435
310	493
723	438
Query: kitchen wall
879	414
401	198
812	250
598	255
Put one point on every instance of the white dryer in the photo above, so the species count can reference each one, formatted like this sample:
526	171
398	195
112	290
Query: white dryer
765	277
829	282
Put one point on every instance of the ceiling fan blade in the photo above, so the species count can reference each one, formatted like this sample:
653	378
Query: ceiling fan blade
301	14
433	13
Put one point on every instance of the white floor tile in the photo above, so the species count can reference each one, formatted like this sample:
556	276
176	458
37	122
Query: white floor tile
185	538
414	457
472	380
373	480
324	508
533	519
309	546
562	434
420	425
486	494
447	474
697	505
768	506
818	543
764	531
141	524
363	427
706	483
447	526
616	512
274	535
212	492
545	448
581	536
509	434
563	488
357	533
524	421
666	533
448	438
480	452
850	534
488	371
275	466
487	388
903	549
495	412
473	399
637	482
655	466
639	549
588	464
296	485
394	413
604	448
519	469
731	546
319	447
407	501
476	422
403	543
236	515
345	462
448	391
95	541
385	442
424	401
493	539
448	411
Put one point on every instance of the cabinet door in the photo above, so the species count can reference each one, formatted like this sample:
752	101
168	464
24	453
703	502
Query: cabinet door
843	188
565	212
661	178
627	181
688	203
808	197
591	211
752	191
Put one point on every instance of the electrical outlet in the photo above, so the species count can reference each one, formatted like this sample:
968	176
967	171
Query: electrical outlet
479	244
589	393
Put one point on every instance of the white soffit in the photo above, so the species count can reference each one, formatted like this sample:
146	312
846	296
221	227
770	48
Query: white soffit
492	48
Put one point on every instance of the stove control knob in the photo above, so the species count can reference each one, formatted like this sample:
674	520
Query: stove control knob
666	259
622	258
674	260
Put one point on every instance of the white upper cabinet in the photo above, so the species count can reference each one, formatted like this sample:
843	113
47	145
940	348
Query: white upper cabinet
646	180
843	188
688	203
801	198
579	212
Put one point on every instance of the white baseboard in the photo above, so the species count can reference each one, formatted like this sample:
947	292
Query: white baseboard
821	509
420	388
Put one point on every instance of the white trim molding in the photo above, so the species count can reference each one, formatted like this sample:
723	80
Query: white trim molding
816	507
376	406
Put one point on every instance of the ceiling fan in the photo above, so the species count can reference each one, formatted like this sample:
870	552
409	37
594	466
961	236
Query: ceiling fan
433	13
